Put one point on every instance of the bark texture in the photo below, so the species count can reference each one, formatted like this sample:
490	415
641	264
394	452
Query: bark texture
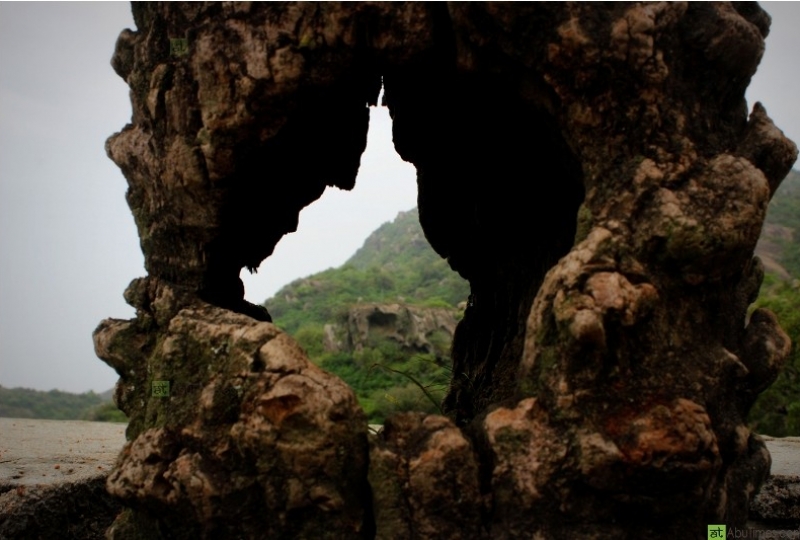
594	173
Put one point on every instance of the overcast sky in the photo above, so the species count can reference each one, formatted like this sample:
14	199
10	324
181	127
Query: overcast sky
68	245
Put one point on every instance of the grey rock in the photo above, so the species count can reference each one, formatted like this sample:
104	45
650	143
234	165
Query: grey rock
414	329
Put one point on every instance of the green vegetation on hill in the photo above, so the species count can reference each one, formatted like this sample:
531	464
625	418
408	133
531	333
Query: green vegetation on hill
57	405
388	380
777	411
395	265
105	412
784	210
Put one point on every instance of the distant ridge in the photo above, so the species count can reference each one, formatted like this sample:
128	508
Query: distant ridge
52	405
777	410
395	264
779	245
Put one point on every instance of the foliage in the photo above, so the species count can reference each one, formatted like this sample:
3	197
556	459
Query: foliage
310	337
784	209
105	412
56	405
401	399
383	379
395	264
777	410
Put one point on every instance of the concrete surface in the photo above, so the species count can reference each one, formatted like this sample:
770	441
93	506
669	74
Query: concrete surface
785	455
35	452
776	508
53	478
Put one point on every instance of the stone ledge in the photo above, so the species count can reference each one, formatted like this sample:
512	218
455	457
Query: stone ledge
71	509
47	452
52	478
52	481
777	505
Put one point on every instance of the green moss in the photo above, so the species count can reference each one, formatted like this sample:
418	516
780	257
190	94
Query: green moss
547	359
686	241
545	362
131	525
203	137
584	225
307	41
515	440
528	388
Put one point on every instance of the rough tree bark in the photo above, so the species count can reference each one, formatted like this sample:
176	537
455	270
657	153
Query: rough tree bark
590	169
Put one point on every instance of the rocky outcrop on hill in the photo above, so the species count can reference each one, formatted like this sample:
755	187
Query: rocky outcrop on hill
781	233
414	329
592	170
768	248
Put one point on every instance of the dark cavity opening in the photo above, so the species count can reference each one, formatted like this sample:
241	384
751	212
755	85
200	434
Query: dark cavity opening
499	192
498	196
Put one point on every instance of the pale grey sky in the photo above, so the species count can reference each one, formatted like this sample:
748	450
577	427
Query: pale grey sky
68	245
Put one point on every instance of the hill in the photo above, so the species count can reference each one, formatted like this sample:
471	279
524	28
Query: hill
383	321
395	265
58	405
777	411
779	245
